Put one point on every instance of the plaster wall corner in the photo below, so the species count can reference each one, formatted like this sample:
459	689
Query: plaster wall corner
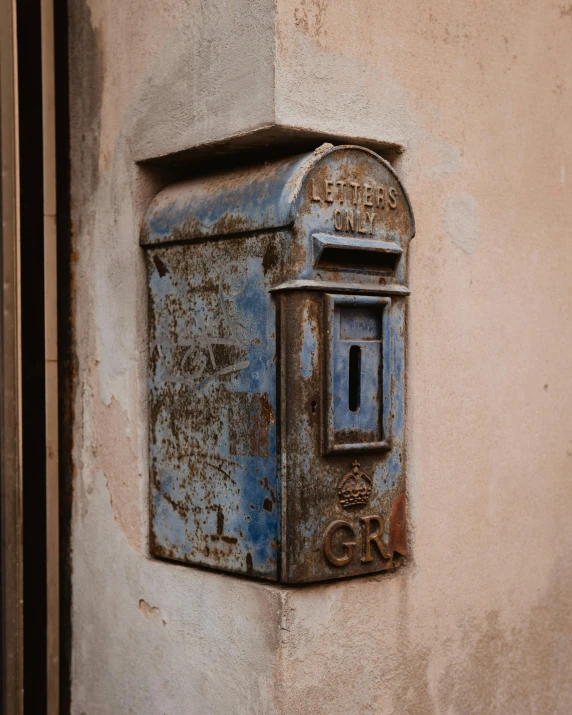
478	98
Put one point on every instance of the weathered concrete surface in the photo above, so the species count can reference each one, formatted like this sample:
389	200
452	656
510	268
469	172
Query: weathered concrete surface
480	97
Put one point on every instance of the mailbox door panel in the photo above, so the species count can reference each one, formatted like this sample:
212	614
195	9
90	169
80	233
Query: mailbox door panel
344	509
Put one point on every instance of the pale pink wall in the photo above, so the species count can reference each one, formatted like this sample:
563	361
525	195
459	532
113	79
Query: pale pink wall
479	96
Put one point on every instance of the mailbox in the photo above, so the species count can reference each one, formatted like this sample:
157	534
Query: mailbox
277	305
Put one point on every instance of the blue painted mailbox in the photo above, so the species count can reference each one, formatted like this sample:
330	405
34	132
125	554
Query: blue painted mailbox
277	304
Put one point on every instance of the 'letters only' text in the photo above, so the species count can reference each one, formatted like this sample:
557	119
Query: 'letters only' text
350	197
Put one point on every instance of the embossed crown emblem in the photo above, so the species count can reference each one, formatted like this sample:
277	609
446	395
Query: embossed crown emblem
355	488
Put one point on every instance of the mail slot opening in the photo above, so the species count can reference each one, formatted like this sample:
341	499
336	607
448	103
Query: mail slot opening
354	382
357	258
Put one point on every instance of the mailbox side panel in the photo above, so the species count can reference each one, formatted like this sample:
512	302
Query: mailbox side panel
215	498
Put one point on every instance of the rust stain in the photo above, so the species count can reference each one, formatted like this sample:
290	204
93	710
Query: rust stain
251	418
266	410
398	528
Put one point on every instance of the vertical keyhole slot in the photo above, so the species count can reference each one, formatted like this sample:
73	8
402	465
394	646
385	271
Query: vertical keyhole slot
354	383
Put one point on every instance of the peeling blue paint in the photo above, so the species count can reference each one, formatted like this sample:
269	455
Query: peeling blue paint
254	418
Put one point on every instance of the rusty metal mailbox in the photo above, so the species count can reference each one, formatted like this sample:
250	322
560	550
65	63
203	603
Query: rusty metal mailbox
277	304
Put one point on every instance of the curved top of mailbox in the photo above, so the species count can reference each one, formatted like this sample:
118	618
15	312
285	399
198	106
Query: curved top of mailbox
273	195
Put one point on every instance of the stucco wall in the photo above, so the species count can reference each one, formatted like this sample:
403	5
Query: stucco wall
479	97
